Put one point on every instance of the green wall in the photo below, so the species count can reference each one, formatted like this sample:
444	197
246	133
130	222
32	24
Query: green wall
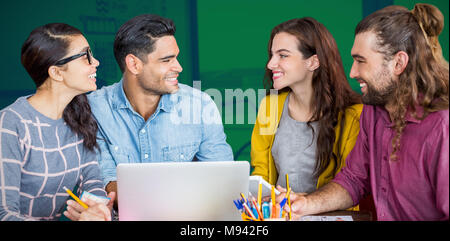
222	43
233	38
99	20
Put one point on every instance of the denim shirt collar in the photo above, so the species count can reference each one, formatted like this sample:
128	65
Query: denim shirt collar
120	100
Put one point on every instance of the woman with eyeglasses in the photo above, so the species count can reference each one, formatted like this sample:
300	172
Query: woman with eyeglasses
48	139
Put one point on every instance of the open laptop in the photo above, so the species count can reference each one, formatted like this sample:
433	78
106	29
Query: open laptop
181	190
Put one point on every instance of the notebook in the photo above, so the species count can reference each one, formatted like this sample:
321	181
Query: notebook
198	191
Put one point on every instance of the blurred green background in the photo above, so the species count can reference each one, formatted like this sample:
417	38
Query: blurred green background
222	43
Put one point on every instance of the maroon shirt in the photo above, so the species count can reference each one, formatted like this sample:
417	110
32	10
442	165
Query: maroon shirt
415	186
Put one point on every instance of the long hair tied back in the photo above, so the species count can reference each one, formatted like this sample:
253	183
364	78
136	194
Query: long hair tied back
424	82
43	48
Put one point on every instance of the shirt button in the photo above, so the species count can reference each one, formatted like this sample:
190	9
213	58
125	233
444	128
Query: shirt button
116	148
145	156
181	156
143	131
383	189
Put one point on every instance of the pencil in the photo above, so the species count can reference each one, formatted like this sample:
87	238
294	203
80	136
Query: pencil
76	198
257	210
287	181
243	197
288	198
259	196
273	203
273	195
249	211
283	202
288	192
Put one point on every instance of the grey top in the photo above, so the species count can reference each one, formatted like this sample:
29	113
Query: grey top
38	157
294	152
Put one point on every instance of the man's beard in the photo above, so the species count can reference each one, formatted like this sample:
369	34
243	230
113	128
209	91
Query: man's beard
379	97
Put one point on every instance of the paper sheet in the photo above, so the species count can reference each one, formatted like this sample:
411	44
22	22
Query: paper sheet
326	218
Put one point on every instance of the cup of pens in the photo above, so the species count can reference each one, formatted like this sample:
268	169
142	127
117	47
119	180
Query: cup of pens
254	210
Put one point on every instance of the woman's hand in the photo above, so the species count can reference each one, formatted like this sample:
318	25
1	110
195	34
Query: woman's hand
74	209
95	212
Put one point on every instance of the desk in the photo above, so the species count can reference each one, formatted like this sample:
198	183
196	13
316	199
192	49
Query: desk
356	215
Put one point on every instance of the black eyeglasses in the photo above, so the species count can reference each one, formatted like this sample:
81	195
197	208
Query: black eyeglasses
88	53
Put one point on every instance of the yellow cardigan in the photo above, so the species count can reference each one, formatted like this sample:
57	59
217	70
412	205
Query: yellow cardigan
269	115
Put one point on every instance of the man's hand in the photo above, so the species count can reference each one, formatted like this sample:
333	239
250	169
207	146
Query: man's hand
330	197
296	198
112	187
298	205
283	192
112	201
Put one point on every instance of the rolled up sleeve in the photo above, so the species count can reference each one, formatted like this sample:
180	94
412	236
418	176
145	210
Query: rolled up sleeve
354	177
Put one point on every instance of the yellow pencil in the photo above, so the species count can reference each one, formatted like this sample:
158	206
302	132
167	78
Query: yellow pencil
288	198
285	197
259	196
273	203
288	192
243	197
287	181
76	198
273	195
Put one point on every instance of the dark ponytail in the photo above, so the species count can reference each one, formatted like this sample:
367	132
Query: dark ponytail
43	48
78	116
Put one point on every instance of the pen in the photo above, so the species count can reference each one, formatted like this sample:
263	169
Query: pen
283	202
266	210
76	198
238	205
285	198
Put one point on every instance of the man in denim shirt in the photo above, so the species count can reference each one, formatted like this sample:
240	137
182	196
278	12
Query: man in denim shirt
148	116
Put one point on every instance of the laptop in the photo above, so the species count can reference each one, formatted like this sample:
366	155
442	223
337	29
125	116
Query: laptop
197	191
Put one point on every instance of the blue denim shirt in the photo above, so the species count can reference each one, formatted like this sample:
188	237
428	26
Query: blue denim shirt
186	126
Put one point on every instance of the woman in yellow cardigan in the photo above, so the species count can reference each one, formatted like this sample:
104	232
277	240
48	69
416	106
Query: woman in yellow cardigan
309	127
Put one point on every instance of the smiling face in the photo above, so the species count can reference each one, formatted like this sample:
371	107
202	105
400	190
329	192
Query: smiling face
287	63
78	75
371	70
160	74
